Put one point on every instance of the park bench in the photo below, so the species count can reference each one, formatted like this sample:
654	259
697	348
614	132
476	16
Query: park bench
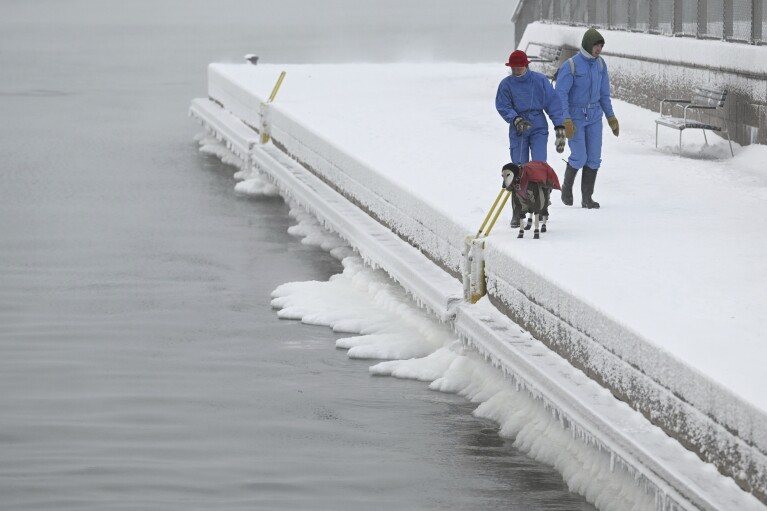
548	56
703	98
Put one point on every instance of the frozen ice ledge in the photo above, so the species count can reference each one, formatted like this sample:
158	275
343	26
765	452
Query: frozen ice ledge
422	250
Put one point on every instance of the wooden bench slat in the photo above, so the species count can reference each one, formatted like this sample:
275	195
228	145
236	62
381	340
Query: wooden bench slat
709	96
678	123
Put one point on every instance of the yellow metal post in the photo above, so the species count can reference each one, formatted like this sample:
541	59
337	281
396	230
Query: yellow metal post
474	260
497	214
276	87
492	208
264	134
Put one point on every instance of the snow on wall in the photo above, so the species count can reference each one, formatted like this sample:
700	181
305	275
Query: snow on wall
237	138
384	200
682	51
243	104
436	290
670	394
701	415
645	68
552	411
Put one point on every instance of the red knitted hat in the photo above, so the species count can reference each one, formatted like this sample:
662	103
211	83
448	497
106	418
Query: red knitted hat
518	58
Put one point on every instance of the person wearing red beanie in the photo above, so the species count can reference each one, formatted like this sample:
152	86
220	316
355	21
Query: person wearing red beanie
521	100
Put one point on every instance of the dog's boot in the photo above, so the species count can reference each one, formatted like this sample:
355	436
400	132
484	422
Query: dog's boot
588	178
529	223
567	185
536	234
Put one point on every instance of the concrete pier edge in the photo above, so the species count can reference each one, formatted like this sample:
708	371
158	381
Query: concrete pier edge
734	442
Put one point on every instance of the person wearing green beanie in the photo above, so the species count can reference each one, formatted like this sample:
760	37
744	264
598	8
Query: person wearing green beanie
583	86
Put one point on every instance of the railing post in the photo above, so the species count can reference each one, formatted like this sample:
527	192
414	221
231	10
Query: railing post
756	21
591	13
678	25
264	108
556	10
653	20
702	18
609	14
727	28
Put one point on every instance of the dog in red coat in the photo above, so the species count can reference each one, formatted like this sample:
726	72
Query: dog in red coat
530	185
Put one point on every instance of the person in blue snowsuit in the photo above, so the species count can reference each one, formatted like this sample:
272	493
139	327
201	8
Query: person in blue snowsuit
583	86
521	100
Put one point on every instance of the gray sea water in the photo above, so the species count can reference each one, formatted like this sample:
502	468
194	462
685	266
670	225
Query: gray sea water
141	365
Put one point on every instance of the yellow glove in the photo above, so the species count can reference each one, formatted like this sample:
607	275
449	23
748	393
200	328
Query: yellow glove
613	122
569	128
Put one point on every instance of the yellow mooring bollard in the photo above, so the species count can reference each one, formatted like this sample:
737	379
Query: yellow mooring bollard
264	132
474	259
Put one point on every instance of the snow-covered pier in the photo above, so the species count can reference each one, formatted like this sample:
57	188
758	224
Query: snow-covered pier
654	299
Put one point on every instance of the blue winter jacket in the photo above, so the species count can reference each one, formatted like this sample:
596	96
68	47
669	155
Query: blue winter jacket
528	95
586	95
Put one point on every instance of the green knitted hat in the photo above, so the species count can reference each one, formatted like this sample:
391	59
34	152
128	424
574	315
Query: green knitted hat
590	38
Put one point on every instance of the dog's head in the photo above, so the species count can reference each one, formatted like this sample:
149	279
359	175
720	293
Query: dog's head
511	174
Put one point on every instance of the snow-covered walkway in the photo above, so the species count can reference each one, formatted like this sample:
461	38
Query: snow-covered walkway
668	277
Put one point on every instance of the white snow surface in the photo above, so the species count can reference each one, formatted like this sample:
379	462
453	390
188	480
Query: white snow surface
677	254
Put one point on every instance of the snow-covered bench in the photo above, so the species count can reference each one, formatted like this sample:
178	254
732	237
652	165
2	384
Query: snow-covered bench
548	55
704	98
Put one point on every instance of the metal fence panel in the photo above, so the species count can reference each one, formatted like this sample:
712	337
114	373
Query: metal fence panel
665	16
688	12
601	13
578	12
741	20
730	20
619	14
714	27
640	15
762	20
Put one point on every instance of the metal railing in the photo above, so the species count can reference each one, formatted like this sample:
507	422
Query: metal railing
742	21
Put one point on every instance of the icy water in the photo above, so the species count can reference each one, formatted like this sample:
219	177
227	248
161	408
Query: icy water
141	365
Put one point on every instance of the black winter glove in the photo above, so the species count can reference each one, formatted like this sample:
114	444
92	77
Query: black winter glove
559	143
521	124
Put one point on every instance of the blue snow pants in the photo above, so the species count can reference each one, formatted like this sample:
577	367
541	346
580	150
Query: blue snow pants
586	144
529	147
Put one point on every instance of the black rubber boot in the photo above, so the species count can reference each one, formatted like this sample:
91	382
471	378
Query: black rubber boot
567	185
588	178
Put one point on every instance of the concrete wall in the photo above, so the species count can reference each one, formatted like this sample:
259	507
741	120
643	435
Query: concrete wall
703	416
643	69
643	81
